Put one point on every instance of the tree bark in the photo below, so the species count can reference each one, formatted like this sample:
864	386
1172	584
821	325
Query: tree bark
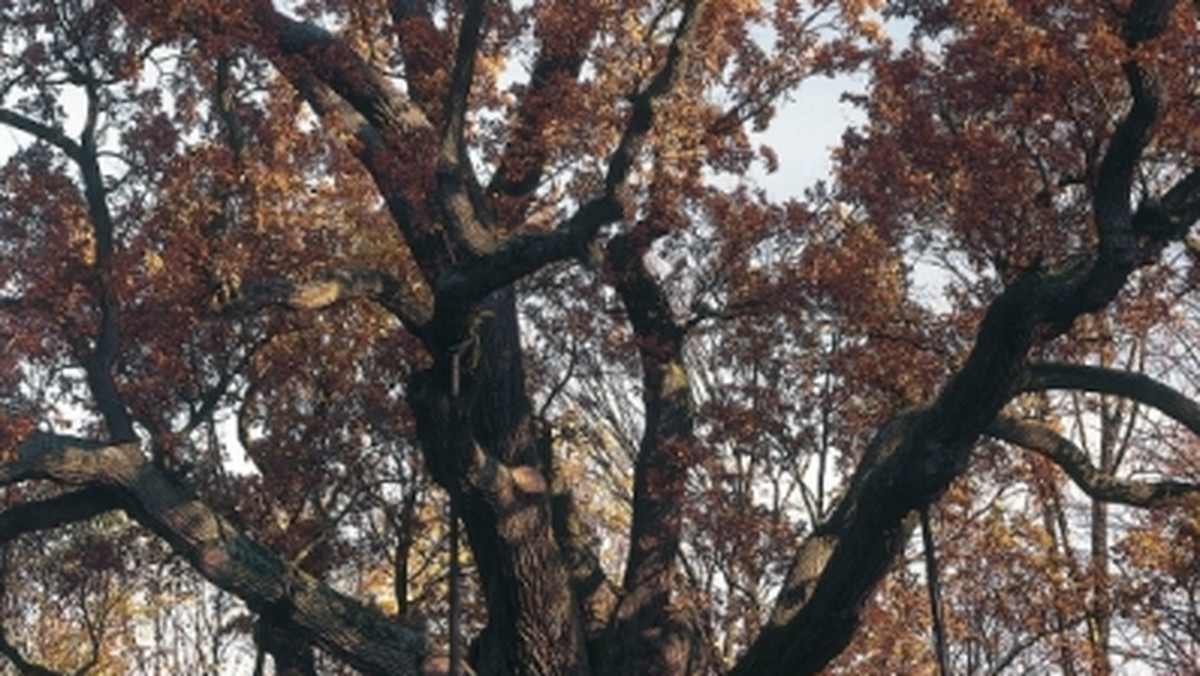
473	420
360	635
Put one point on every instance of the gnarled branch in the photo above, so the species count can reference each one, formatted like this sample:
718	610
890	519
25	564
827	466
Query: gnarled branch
361	635
913	459
335	287
1075	462
524	253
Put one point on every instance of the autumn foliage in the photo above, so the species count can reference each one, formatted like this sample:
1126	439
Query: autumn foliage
460	336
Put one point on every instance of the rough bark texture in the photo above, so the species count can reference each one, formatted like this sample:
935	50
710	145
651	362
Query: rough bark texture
473	420
357	633
651	634
550	610
914	458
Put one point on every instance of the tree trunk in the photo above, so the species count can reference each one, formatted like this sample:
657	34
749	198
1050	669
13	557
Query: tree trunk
292	654
473	420
652	632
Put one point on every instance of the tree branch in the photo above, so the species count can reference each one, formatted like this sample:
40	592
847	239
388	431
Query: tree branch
98	363
646	616
101	360
1136	386
524	253
1118	251
334	287
386	131
458	193
934	584
597	594
337	65
642	104
425	51
1075	462
392	138
60	510
44	132
913	458
1178	210
1146	19
359	634
23	666
558	63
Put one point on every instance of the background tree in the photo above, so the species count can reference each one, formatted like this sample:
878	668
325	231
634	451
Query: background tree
294	290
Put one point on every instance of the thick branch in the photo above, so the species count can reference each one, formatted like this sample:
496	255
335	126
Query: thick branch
44	132
358	634
60	510
525	253
596	593
99	363
337	65
1118	251
906	467
1147	19
335	287
1136	386
914	458
1075	462
458	193
388	133
650	634
391	136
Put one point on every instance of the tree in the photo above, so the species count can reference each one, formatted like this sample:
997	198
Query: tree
301	272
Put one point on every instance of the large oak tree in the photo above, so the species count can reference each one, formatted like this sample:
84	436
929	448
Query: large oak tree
293	276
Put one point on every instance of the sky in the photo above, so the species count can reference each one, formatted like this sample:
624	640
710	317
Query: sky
805	131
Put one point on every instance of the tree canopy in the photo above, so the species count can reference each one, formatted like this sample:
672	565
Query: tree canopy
460	337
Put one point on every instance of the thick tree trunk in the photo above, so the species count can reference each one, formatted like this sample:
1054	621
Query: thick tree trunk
652	629
291	652
473	419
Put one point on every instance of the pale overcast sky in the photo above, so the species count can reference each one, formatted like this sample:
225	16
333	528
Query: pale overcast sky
805	131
